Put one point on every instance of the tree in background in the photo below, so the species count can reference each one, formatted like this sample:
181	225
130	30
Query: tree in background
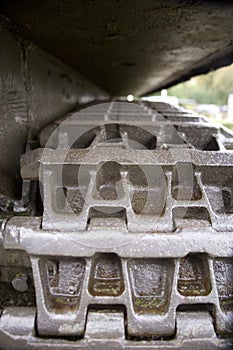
213	87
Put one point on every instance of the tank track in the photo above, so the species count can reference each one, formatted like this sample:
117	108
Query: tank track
125	237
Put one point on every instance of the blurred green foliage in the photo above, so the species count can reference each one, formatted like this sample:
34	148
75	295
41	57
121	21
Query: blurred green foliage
213	87
228	125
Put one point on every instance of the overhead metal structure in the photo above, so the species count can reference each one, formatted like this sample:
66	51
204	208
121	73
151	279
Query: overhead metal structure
128	46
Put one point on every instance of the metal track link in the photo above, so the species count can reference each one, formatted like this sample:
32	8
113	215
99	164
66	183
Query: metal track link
134	245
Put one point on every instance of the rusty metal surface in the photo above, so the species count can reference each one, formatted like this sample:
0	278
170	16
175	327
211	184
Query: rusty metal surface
128	46
133	247
35	89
